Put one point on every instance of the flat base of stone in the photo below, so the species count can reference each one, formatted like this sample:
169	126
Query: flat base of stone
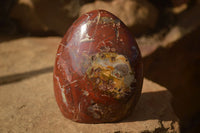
30	106
28	103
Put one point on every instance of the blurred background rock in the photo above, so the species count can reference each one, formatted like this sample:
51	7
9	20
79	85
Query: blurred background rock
167	31
51	17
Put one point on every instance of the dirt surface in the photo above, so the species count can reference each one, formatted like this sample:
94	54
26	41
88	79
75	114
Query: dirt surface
27	99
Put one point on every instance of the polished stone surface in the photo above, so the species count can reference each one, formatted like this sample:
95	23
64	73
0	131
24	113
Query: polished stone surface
98	70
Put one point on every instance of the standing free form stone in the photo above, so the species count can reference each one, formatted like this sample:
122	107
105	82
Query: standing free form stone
98	70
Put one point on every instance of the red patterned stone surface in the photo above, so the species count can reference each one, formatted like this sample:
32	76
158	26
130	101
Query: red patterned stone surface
98	70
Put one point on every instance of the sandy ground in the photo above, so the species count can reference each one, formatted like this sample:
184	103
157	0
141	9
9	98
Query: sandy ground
27	102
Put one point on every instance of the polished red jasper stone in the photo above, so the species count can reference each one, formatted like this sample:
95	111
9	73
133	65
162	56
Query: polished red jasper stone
98	70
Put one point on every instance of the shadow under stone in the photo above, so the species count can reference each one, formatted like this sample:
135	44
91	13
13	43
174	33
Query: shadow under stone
21	76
